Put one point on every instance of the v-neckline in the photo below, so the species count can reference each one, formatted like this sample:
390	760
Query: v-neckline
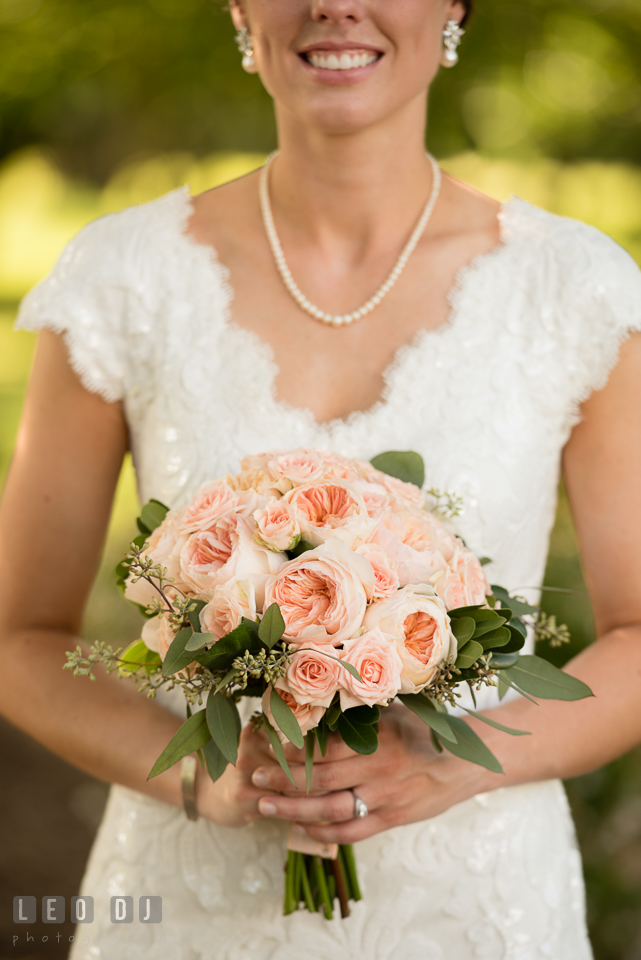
464	278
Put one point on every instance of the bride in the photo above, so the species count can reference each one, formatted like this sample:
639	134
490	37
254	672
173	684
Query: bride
283	310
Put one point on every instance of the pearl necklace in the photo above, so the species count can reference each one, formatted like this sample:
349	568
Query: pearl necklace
386	286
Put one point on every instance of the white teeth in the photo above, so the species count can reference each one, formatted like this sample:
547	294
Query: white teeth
346	61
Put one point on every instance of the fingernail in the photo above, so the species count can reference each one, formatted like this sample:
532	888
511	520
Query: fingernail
267	808
298	831
260	778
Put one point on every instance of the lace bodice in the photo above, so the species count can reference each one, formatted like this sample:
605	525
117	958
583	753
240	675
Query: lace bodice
489	400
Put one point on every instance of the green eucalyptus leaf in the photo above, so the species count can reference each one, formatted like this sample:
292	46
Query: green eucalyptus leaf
199	640
222	654
360	737
322	735
486	621
422	707
194	614
272	626
405	465
310	743
303	546
469	654
277	747
284	719
516	606
364	714
503	686
215	762
177	659
153	514
500	661
517	624
543	680
497	638
138	654
464	611
469	746
497	725
224	724
463	628
190	737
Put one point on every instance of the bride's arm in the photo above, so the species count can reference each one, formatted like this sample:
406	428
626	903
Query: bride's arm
54	515
402	784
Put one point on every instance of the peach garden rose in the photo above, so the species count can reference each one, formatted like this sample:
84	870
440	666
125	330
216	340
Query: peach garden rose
322	594
375	657
417	621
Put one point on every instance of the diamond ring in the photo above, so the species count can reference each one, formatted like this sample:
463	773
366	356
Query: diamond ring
360	807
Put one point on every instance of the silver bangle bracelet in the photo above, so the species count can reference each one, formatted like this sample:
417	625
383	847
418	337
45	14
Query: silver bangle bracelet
188	785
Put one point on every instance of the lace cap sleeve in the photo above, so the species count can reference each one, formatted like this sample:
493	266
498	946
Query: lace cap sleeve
602	308
84	298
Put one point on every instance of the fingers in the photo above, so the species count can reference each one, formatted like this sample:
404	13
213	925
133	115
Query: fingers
331	807
326	777
337	749
349	831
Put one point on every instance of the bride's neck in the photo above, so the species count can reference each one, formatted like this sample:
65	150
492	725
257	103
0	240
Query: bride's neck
351	189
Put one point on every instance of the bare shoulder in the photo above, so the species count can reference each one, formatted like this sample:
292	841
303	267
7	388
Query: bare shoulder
466	218
227	214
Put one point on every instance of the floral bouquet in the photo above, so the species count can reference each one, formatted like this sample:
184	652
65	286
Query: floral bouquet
326	588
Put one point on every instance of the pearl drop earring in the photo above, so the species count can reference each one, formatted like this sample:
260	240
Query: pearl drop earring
452	34
246	46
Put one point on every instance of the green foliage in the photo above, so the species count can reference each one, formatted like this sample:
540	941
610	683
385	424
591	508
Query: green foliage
272	626
405	465
215	761
224	724
541	679
191	737
152	515
360	737
138	653
277	747
177	659
470	747
424	708
285	720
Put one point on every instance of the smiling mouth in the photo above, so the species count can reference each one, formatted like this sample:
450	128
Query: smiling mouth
343	60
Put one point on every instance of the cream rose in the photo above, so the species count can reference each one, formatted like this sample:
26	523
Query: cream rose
375	496
213	501
230	603
375	657
313	677
163	547
463	583
322	594
158	635
417	621
412	566
331	508
227	551
386	582
404	493
308	716
277	525
299	466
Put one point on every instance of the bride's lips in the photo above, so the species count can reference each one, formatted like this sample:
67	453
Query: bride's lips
340	63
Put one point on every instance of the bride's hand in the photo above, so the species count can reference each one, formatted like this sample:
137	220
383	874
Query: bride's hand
404	781
232	801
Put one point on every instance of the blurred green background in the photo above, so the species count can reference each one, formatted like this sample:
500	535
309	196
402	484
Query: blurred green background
105	103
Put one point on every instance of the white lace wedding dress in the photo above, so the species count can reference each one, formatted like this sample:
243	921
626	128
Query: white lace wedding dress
489	401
